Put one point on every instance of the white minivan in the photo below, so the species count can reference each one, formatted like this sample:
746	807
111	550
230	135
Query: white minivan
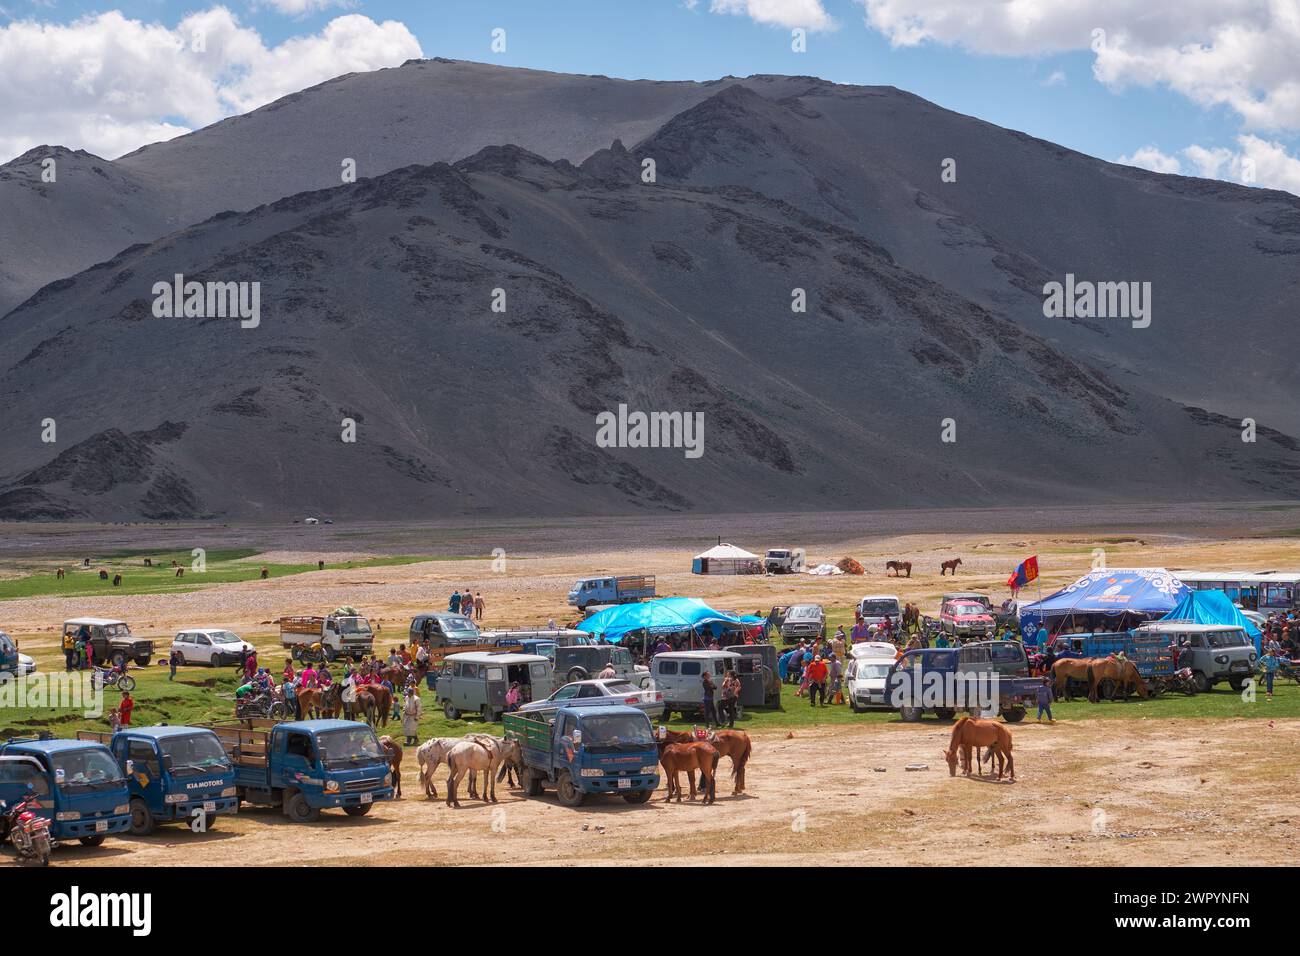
678	677
874	608
866	674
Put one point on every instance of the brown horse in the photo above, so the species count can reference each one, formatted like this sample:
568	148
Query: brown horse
946	566
59	574
689	757
1122	674
971	732
103	575
898	567
911	617
729	743
1067	669
394	751
309	702
117	580
383	702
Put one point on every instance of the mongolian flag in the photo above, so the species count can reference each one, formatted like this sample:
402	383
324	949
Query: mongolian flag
1025	572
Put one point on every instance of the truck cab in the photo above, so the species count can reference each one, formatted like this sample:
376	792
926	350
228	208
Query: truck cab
584	661
610	589
783	561
803	622
174	774
80	787
306	766
444	629
945	680
339	634
112	641
581	751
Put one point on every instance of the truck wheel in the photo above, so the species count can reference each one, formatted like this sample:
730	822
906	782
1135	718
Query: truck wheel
1013	715
853	706
142	823
295	653
297	809
95	840
117	658
639	796
577	673
142	661
1237	683
532	784
567	792
1202	682
945	713
450	712
360	810
488	714
911	715
329	654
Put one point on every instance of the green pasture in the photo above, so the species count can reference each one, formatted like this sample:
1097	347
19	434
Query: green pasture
221	566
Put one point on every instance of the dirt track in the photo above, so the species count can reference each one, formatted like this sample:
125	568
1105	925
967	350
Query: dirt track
1092	792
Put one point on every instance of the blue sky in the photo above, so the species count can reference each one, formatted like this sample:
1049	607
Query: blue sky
1158	105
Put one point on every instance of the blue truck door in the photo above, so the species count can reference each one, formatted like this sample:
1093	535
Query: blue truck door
146	777
298	759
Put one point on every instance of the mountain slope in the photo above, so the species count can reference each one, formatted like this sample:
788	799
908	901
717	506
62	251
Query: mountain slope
376	306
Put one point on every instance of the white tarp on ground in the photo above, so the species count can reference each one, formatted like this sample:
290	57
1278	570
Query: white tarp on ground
825	569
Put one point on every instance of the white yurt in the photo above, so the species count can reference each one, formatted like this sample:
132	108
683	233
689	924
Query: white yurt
726	559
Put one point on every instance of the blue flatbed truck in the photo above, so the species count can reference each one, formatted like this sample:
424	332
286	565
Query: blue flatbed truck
80	787
581	751
306	766
943	681
173	774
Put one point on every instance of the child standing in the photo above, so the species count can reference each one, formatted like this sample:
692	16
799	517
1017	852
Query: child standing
1045	696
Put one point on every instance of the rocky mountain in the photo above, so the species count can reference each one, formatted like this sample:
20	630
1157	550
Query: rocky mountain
924	313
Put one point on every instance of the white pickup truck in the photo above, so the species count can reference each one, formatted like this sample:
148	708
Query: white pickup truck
339	635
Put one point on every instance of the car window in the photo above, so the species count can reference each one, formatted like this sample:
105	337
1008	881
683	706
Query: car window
567	692
590	690
1007	653
666	667
144	757
620	687
690	667
719	667
538	670
22	773
495	673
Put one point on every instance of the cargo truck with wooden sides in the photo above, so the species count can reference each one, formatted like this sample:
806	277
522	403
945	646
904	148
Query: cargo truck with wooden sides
610	589
339	634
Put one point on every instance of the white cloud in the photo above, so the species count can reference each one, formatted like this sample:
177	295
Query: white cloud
109	84
298	8
1149	157
1255	162
1057	78
809	14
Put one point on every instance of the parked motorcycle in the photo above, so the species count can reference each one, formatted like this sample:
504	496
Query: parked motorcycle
27	831
112	677
1181	681
261	705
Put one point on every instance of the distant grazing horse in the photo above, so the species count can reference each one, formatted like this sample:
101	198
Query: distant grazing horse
85	562
59	573
180	572
1122	675
103	575
1067	669
394	751
265	574
117	580
729	743
696	755
947	566
971	732
148	562
898	567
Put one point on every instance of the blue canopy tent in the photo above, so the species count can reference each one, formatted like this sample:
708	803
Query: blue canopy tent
1214	607
662	616
1141	593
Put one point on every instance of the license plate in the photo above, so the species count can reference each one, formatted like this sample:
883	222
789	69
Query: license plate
209	806
367	797
624	784
101	826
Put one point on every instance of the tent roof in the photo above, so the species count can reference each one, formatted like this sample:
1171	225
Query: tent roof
665	614
1113	591
1210	607
727	551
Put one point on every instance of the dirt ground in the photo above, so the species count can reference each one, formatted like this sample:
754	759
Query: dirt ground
1114	792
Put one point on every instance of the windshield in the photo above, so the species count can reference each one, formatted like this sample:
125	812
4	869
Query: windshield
621	687
344	748
803	611
223	637
872	671
879	608
459	624
1235	638
195	754
616	732
90	769
965	608
354	625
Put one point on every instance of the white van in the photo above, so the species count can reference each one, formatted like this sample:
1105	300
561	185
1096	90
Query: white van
677	675
864	681
874	608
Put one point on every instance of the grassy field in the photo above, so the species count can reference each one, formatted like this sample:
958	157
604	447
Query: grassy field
221	567
200	694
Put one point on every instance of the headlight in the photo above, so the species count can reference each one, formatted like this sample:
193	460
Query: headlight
69	815
591	773
124	808
388	779
229	792
1221	659
331	786
650	768
175	798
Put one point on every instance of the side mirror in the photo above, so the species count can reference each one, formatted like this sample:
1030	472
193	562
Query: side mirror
130	767
577	738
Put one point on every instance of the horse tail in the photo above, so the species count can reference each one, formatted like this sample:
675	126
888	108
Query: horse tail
739	765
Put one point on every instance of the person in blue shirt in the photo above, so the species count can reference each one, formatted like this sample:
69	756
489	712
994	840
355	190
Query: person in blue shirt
1042	636
1268	664
454	604
1045	697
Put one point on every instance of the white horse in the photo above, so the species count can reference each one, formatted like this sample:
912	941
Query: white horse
470	756
509	757
432	753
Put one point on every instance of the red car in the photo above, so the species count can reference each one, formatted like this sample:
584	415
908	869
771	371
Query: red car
965	619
